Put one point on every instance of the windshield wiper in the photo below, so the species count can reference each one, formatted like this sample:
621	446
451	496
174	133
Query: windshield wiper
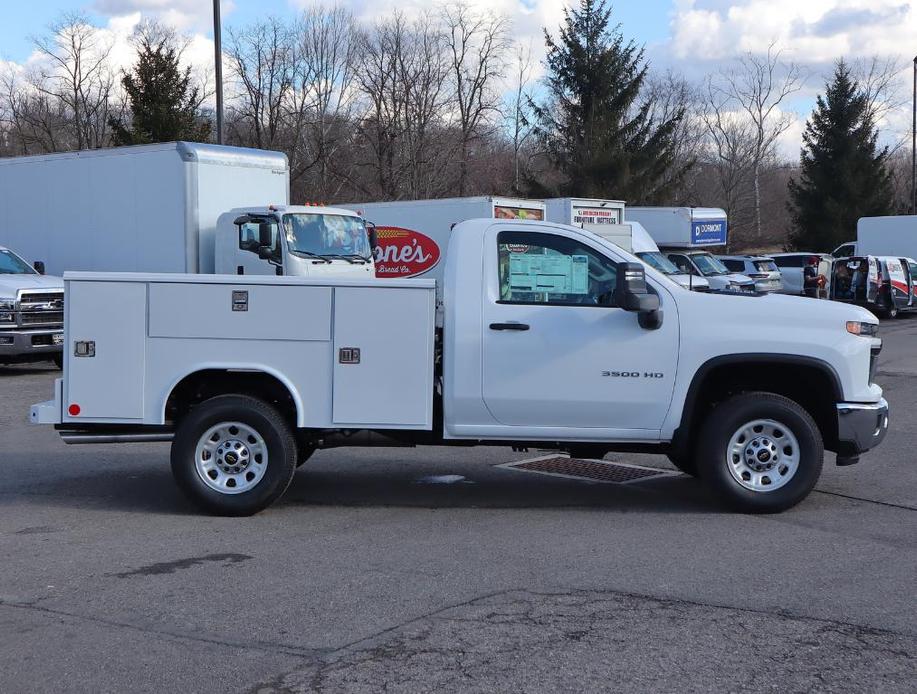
310	254
349	257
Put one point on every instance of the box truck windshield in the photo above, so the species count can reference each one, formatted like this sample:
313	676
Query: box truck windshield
12	264
708	265
327	235
656	260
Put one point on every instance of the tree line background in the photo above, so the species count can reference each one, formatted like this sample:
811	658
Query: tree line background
446	104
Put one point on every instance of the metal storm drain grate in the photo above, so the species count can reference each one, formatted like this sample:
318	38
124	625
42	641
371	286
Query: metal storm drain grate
592	470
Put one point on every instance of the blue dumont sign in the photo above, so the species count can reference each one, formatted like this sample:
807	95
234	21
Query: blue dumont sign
711	232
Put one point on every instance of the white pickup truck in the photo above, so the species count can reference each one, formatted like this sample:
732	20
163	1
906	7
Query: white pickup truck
545	335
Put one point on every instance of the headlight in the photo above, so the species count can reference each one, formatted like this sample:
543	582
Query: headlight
7	317
863	329
7	305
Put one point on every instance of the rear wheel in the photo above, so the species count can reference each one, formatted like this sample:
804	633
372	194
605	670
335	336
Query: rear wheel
233	455
760	452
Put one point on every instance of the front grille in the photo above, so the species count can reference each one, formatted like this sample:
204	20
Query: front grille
41	308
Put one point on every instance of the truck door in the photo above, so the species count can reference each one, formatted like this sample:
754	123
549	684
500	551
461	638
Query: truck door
554	353
899	275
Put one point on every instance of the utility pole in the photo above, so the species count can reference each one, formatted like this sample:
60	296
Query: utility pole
914	146
218	65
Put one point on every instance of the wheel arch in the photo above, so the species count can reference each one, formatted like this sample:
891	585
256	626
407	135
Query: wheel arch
211	380
812	383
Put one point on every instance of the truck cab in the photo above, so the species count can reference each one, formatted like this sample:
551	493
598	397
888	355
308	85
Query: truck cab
302	241
646	249
31	311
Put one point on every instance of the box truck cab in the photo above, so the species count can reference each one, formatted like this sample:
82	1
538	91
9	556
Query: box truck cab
167	208
552	337
31	311
685	234
303	241
646	249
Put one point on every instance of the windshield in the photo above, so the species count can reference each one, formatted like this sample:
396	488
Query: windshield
326	234
655	259
12	264
708	265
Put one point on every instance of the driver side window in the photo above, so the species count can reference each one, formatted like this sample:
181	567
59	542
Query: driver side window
250	237
536	268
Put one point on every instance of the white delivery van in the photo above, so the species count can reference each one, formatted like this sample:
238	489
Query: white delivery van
163	208
553	337
684	234
604	217
887	236
646	249
412	235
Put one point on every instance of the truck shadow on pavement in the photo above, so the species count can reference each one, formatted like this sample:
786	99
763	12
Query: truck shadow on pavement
145	485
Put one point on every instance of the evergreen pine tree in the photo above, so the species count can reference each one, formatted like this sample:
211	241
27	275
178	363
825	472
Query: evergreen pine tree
163	103
597	136
843	172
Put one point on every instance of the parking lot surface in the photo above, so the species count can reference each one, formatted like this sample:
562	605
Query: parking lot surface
433	569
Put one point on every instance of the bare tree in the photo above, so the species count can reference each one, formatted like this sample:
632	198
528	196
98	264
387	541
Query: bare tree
519	108
756	87
477	42
260	56
74	75
879	80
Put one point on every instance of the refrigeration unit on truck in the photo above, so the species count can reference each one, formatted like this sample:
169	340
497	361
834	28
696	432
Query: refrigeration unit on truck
412	235
603	217
552	337
31	312
175	207
685	235
894	236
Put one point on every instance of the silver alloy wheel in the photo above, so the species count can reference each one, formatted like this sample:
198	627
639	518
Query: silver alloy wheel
763	455
231	457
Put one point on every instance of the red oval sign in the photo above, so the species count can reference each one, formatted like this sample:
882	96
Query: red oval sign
403	252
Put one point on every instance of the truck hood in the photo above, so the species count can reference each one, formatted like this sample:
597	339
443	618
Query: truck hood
739	279
10	285
779	311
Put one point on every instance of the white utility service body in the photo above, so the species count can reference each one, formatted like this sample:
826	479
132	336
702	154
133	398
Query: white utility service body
149	208
413	235
552	336
685	235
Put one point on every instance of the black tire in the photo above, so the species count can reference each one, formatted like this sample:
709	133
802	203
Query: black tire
267	422
725	421
687	464
58	360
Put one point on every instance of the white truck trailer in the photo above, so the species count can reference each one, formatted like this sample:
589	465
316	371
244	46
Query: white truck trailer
685	234
894	236
172	208
552	337
412	235
604	217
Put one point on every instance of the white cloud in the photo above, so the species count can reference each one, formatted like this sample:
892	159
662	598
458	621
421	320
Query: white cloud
183	15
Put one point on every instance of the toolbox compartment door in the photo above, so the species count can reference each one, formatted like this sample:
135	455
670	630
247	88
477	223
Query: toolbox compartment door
383	357
108	384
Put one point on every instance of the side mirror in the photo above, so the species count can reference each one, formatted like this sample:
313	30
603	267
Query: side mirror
266	253
631	291
39	267
373	237
265	236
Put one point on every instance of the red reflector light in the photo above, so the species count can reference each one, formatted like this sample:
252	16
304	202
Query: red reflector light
74	410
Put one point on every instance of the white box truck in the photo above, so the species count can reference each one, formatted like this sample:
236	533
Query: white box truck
174	207
412	235
552	337
604	217
894	236
684	234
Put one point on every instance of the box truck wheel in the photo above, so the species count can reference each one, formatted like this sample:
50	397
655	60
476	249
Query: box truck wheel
760	452
233	455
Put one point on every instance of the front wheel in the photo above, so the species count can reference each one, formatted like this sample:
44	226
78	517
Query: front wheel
760	452
233	455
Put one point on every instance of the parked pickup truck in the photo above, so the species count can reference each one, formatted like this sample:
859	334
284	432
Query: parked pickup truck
546	335
31	312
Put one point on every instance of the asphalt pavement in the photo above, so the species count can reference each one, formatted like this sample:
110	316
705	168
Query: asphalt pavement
437	570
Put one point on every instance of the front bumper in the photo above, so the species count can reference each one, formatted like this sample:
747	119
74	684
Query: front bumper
860	427
23	344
